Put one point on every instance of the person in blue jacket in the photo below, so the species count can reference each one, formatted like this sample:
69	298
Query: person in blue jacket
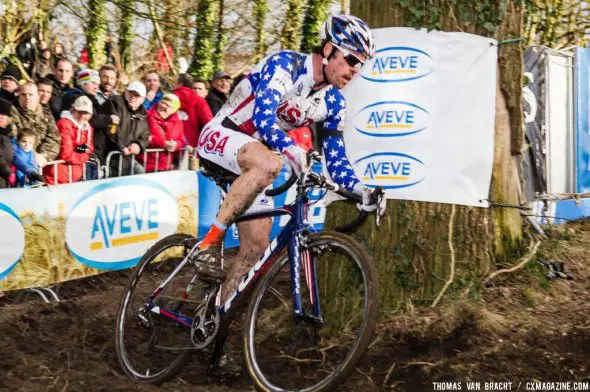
27	169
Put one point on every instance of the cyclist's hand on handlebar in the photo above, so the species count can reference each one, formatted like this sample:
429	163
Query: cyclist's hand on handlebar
373	199
296	159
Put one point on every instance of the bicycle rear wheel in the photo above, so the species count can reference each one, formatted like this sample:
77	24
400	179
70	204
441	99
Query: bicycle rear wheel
151	347
284	352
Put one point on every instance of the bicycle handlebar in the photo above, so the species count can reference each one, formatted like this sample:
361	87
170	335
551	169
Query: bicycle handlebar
320	180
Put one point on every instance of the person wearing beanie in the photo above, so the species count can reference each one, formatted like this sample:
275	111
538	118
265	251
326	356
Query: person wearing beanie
76	143
9	81
87	83
6	154
167	132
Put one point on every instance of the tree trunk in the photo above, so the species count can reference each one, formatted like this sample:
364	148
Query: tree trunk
202	64
422	246
315	15
291	34
260	11
126	33
220	40
96	33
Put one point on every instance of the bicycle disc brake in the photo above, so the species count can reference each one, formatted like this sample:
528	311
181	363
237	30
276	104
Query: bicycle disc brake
206	322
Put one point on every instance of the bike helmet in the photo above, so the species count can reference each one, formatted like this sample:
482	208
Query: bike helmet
350	33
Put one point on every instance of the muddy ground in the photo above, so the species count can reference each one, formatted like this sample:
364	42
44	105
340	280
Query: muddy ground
519	328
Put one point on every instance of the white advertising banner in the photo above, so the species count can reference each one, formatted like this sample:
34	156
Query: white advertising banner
68	231
420	117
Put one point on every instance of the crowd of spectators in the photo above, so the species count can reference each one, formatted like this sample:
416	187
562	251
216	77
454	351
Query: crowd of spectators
64	126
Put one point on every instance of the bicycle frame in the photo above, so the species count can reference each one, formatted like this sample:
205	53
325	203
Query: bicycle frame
290	236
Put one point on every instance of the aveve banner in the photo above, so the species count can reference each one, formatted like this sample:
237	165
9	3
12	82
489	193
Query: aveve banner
420	116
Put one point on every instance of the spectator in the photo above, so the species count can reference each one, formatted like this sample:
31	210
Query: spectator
6	153
61	78
29	113
84	59
45	87
194	110
201	88
153	83
44	65
108	83
166	131
10	78
27	168
76	143
162	60
220	86
131	135
87	82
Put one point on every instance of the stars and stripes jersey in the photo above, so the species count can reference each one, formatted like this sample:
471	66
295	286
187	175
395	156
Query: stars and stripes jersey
277	96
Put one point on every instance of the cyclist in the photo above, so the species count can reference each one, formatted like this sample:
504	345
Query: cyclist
284	91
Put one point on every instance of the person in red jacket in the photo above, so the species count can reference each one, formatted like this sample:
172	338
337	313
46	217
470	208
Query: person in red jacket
167	132
76	143
194	110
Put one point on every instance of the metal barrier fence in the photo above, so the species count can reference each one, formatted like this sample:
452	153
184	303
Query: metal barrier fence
104	171
136	167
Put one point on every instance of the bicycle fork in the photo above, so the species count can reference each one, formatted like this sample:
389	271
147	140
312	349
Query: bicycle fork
301	255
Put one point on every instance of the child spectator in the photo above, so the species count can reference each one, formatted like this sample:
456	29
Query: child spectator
76	142
167	132
27	169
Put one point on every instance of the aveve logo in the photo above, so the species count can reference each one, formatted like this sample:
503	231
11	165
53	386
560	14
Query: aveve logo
391	118
390	170
12	240
398	64
113	224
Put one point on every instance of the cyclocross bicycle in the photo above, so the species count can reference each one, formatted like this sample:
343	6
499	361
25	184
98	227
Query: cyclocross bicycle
295	336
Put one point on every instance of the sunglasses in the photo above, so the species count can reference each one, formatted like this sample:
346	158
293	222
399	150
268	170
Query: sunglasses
350	58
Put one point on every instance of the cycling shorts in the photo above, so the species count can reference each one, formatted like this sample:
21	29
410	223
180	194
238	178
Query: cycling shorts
220	145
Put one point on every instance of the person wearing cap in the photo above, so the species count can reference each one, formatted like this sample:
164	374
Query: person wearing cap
76	143
6	154
87	84
29	113
194	111
61	79
130	136
9	83
220	86
167	132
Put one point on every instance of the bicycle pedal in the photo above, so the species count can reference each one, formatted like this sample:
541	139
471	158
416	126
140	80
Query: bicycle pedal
209	273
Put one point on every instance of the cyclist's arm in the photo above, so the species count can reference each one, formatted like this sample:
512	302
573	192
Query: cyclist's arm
275	81
337	163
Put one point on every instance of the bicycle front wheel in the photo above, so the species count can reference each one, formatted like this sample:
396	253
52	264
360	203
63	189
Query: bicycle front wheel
315	355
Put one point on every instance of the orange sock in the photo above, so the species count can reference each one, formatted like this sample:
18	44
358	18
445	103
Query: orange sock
213	237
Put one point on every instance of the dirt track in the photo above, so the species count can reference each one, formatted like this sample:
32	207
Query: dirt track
522	329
